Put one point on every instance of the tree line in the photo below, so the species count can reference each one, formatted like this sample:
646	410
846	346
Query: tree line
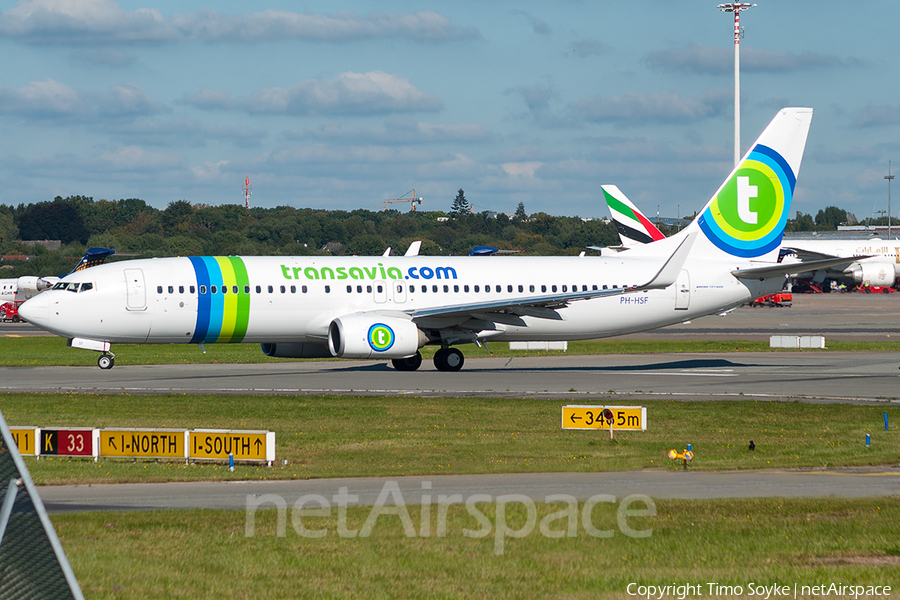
133	227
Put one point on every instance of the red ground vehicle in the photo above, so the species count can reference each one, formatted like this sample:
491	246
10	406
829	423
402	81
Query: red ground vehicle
781	299
9	312
876	289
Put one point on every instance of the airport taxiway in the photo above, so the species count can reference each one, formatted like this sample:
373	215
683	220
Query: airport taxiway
815	376
656	483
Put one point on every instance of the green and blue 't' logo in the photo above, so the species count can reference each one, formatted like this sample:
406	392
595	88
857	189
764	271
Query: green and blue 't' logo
748	215
380	337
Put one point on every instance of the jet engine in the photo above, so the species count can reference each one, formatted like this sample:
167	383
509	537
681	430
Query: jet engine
32	286
374	336
295	350
875	273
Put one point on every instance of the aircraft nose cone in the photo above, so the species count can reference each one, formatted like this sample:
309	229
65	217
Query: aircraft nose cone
36	311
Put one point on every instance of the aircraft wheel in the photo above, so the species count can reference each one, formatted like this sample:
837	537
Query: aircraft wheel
410	363
106	362
448	359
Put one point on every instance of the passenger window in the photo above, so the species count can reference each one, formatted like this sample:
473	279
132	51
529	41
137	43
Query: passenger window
202	289
476	289
434	289
584	288
327	289
368	289
303	289
543	288
158	289
553	288
224	289
455	288
615	287
349	289
521	289
424	288
259	289
171	289
446	288
466	289
380	289
497	288
487	289
180	289
359	289
604	287
565	289
530	288
192	289
412	288
509	288
246	289
293	289
271	289
594	288
282	289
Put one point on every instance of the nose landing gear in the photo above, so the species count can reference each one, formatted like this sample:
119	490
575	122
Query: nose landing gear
106	361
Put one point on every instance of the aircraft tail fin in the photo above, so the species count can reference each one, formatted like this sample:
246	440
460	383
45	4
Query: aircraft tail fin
92	258
634	228
747	214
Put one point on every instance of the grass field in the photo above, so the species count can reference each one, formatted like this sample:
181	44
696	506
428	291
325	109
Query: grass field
339	436
52	351
206	554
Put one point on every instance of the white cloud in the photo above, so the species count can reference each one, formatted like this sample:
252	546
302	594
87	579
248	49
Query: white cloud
134	158
719	61
50	99
521	169
347	93
54	22
42	99
878	116
663	107
399	130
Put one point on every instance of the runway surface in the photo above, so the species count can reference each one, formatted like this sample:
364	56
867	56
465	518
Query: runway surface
658	484
814	376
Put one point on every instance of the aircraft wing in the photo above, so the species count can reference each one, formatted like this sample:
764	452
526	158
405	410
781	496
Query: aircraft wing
511	310
788	269
810	255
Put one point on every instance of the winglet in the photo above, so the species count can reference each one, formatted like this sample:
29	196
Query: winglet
669	272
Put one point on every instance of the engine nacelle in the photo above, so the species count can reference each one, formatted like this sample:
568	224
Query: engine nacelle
875	273
295	350
32	286
373	336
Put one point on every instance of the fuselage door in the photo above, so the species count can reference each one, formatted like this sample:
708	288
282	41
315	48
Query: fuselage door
683	291
137	292
399	292
381	292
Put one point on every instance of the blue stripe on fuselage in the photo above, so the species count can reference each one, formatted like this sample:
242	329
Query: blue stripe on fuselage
203	300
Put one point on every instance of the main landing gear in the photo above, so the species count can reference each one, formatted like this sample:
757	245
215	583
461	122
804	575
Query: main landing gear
448	359
445	359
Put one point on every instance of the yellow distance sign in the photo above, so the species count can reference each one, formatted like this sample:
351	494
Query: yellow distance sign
244	445
625	418
143	443
25	439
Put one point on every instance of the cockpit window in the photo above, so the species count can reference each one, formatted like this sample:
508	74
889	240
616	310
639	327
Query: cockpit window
73	287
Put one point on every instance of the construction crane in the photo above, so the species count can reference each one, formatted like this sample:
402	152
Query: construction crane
412	201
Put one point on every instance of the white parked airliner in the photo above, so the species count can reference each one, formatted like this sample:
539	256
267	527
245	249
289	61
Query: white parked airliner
389	307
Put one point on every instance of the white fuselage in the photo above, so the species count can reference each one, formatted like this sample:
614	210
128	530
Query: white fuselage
294	299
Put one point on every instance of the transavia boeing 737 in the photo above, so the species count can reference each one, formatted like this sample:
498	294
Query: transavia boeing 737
389	307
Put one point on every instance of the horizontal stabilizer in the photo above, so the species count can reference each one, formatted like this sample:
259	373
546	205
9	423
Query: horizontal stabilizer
789	269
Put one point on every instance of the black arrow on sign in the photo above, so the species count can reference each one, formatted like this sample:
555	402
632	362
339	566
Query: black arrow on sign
258	444
112	442
573	417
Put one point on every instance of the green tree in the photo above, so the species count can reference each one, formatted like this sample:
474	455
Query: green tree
8	229
520	215
802	222
460	205
829	218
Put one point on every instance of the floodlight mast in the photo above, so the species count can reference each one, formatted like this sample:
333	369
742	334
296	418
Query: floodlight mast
737	8
889	178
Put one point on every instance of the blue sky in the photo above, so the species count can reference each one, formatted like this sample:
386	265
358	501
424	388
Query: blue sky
341	105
